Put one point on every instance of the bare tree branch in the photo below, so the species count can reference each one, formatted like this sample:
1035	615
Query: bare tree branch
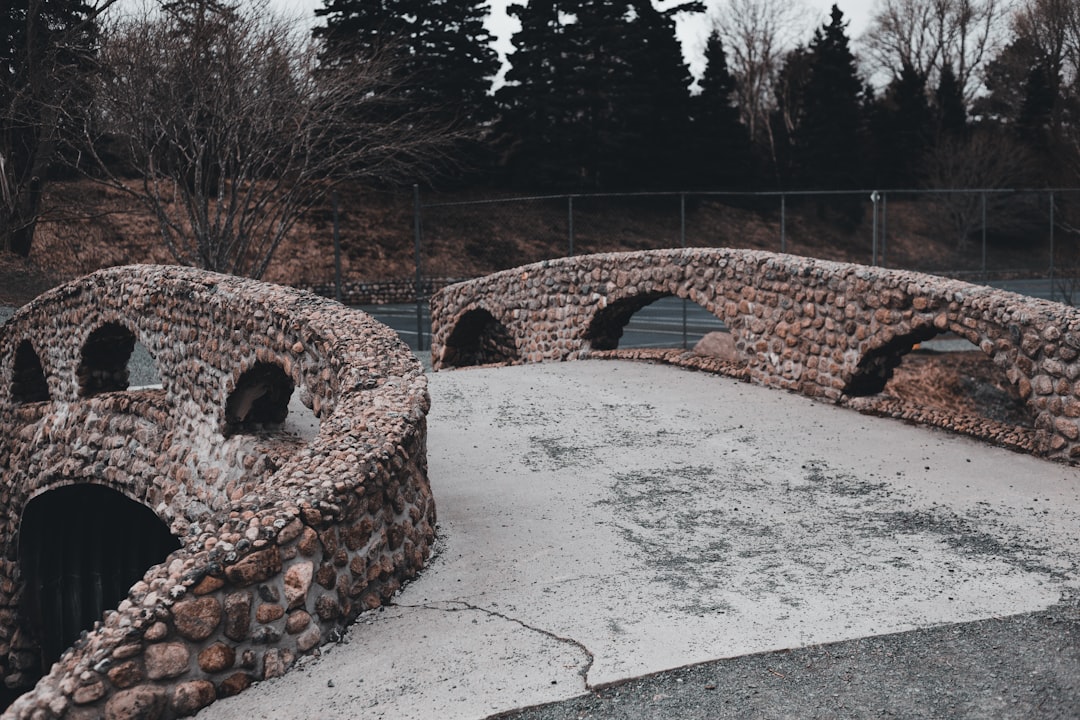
45	54
929	34
230	129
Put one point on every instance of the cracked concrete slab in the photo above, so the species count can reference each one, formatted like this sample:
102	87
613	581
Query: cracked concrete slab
604	520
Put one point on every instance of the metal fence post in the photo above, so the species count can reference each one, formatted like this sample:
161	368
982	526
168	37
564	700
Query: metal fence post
337	250
682	242
783	222
874	198
570	222
417	231
1051	246
983	236
884	227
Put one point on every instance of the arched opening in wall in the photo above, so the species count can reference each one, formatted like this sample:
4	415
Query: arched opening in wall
933	374
81	548
260	401
104	363
28	383
479	339
660	320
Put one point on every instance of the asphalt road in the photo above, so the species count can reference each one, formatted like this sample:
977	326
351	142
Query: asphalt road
657	325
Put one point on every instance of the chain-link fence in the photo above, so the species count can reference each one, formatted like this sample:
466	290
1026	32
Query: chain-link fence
983	235
1027	240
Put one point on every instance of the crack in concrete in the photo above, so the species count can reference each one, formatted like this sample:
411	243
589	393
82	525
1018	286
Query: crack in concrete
583	672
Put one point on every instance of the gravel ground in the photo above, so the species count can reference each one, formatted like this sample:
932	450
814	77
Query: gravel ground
1026	666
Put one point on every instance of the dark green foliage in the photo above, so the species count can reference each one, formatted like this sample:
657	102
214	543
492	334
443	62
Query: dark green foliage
597	97
46	48
826	137
440	51
723	157
950	114
902	129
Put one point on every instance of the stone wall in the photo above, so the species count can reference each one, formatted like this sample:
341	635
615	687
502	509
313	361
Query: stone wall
284	539
824	329
382	292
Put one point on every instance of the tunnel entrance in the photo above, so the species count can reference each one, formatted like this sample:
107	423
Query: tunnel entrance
81	548
652	320
479	339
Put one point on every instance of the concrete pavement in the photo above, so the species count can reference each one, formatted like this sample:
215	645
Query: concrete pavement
604	520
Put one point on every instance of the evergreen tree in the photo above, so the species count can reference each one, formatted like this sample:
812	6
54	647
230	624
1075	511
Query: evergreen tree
440	50
537	119
657	101
1034	124
724	159
902	128
790	91
597	95
826	137
950	115
46	50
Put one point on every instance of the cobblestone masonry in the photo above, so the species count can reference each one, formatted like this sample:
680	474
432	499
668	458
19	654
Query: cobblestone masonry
824	329
283	541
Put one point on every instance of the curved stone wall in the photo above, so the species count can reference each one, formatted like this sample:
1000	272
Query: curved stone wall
284	539
825	329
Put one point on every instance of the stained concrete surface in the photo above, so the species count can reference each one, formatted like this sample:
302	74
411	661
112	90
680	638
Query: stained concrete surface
603	521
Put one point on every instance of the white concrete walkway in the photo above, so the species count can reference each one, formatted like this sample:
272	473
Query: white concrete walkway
601	520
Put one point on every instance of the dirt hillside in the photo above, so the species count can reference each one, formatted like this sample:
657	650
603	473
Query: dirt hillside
86	227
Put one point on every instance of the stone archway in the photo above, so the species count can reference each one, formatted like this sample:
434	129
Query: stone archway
81	547
104	360
479	338
260	400
28	384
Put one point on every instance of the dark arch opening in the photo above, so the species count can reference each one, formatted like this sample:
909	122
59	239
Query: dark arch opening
260	400
81	548
105	355
623	324
28	383
479	339
928	370
876	367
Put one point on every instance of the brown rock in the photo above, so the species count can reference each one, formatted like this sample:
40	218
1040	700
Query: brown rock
166	660
273	665
234	684
326	575
297	583
216	658
256	567
290	532
156	632
720	345
190	697
126	674
144	702
237	615
309	639
297	621
309	542
123	652
268	612
327	608
88	693
208	585
197	619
